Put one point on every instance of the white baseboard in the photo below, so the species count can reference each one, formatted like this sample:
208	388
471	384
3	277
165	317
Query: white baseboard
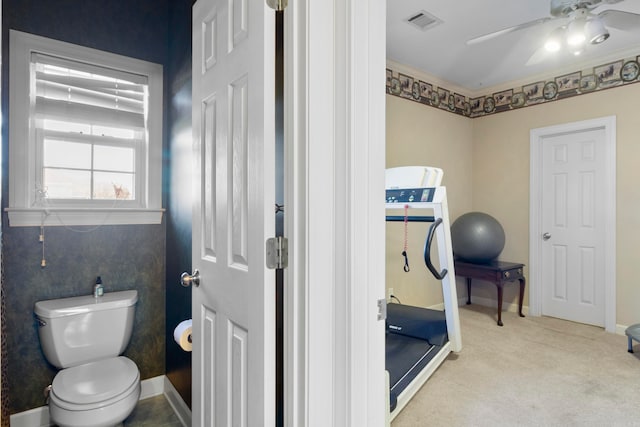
489	302
36	417
39	417
485	302
180	408
152	387
513	308
621	328
438	307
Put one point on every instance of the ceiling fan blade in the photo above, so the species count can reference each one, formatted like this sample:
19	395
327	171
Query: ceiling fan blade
508	30
626	21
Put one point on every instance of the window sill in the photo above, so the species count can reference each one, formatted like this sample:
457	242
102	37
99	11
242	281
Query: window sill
24	217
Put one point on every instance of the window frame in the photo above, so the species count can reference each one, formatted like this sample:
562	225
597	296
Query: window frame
24	207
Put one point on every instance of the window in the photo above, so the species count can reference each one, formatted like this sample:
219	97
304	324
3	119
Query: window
85	135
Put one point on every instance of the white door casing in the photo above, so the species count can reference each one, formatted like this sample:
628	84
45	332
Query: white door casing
572	270
335	138
234	195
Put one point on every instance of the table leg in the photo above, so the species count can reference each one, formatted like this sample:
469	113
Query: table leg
522	284
468	290
500	292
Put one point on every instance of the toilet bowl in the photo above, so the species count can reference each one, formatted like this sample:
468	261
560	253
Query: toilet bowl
85	337
99	394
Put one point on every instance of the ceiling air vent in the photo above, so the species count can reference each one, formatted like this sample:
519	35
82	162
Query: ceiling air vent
423	20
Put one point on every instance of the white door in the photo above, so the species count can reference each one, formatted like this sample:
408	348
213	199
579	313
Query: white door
573	226
234	197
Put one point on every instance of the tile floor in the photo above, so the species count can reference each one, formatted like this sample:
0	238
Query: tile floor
153	412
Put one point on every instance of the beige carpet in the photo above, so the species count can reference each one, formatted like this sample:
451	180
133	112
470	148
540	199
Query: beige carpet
533	371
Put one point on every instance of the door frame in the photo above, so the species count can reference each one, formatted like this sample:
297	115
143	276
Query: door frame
537	137
334	182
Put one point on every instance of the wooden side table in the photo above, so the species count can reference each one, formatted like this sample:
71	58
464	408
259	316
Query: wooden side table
497	272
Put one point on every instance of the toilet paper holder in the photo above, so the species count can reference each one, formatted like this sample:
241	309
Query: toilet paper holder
182	335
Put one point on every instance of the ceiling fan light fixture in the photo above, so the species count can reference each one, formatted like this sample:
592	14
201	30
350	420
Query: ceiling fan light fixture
552	45
575	32
595	31
554	41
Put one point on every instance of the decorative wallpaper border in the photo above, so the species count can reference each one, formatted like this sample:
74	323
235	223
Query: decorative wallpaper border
605	76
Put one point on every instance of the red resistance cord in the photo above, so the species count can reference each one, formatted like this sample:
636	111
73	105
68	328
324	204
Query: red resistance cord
406	227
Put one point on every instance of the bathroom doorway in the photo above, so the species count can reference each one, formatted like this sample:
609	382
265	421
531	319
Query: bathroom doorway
336	126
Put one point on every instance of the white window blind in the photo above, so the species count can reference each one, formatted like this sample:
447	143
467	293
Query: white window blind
90	125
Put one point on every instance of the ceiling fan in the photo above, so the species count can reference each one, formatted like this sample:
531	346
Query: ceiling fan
579	26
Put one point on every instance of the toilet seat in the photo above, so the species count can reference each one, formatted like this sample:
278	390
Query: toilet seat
95	384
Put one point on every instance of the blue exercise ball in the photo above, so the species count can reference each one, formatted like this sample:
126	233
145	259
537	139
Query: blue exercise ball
477	237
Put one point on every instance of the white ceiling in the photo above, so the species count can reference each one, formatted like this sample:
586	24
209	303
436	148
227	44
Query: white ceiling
442	51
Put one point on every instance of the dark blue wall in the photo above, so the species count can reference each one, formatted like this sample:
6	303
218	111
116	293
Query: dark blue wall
179	196
146	257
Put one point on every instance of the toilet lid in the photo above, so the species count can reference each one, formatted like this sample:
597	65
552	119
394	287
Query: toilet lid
95	381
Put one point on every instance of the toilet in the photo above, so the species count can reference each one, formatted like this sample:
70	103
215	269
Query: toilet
84	337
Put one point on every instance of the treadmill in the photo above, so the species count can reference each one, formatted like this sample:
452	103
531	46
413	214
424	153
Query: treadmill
419	339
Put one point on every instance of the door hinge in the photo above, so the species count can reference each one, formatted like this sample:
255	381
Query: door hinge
382	309
277	5
277	252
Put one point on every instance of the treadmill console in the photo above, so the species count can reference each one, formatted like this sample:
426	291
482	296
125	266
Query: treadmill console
410	195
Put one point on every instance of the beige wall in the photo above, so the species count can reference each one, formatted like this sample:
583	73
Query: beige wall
418	135
486	162
501	176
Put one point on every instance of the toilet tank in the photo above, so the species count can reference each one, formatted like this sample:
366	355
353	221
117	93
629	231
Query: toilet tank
81	329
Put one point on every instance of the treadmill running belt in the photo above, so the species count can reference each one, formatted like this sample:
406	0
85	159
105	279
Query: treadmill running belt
405	358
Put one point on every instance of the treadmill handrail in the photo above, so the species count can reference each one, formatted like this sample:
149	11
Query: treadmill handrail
427	251
410	218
